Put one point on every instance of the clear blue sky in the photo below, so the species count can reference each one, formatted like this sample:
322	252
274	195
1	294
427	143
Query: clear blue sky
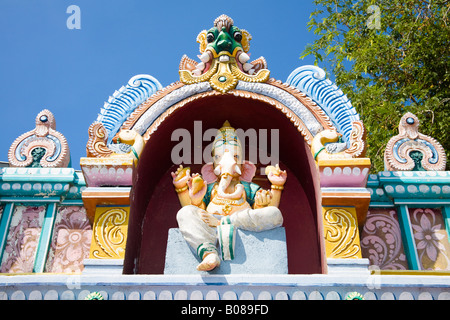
43	64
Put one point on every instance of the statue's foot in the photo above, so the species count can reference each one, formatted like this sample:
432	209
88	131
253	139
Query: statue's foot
209	219
209	262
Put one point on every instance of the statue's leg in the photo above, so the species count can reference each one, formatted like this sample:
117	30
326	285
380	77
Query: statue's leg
199	236
194	230
257	219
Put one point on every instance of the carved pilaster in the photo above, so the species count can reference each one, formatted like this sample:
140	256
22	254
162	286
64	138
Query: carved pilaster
109	233
341	233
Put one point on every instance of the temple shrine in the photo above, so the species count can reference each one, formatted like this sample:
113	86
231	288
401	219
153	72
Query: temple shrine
225	185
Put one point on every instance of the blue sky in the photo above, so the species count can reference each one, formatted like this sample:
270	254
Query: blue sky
45	65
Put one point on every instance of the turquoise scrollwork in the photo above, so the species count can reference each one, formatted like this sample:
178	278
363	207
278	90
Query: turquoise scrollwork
123	102
312	81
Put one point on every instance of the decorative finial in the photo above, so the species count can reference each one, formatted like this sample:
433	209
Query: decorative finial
41	147
411	150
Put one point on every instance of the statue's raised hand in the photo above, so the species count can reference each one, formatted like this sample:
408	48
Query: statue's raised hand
276	176
181	177
197	189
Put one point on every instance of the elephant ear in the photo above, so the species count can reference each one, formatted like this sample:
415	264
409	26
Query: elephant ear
248	171
208	173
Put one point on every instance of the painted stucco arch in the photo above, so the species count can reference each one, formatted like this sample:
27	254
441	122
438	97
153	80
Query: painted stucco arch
306	115
154	203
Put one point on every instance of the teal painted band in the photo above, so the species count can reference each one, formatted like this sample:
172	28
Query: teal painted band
204	248
230	240
135	153
408	237
422	203
30	200
230	244
45	238
74	202
219	231
225	220
5	222
446	216
381	204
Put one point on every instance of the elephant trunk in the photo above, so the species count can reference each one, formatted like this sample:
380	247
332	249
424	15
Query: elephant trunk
224	183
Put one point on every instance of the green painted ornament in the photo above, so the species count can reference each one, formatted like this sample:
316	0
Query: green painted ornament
94	296
354	296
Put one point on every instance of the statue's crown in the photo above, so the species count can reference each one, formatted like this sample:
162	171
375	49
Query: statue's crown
227	135
226	125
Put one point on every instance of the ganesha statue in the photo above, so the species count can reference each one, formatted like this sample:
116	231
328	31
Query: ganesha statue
224	198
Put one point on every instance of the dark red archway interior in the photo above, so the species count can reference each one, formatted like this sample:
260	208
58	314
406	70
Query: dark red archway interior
154	203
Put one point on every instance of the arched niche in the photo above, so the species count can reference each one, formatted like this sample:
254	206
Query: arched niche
154	203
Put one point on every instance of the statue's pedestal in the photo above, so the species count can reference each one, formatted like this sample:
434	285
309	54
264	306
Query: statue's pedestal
255	253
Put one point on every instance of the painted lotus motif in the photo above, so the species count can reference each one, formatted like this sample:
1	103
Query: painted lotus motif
432	246
71	240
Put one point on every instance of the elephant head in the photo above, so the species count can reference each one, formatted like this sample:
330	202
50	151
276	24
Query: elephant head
228	164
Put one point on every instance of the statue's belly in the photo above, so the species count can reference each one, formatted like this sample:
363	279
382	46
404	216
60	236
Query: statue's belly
226	207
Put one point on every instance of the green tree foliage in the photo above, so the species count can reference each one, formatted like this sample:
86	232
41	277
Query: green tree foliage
389	57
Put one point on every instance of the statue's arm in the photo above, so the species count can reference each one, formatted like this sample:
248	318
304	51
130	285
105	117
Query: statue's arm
278	178
180	181
183	196
190	190
276	196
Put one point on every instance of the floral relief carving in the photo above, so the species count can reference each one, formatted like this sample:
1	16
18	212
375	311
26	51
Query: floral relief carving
433	248
71	240
23	239
381	240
